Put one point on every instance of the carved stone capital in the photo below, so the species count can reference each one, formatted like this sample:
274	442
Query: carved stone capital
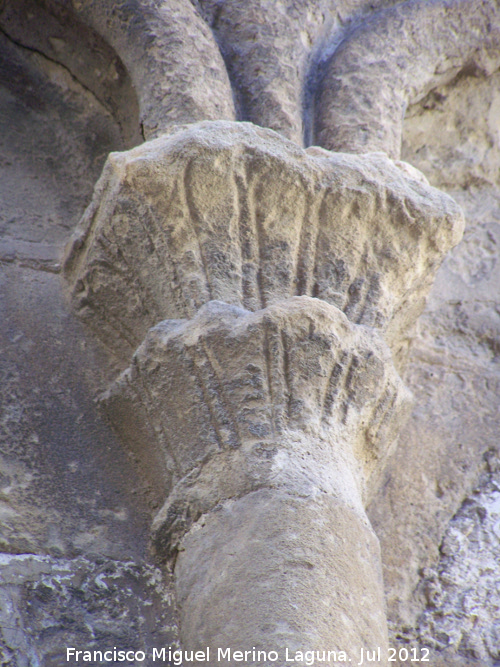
265	431
293	396
231	212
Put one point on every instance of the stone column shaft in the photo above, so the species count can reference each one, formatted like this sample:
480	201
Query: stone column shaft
271	287
269	425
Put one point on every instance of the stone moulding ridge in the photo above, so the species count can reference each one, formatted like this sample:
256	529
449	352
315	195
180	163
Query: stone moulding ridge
394	59
172	57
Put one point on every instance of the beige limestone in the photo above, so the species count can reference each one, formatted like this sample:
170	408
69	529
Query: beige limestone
66	99
394	59
50	603
74	513
152	65
460	619
236	213
275	64
276	571
173	60
284	415
435	483
293	395
80	53
197	216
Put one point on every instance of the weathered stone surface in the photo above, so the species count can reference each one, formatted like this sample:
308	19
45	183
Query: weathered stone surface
293	396
282	415
66	487
462	594
172	58
235	213
69	495
453	370
49	604
275	63
52	499
164	53
394	59
50	29
453	136
54	138
275	571
268	60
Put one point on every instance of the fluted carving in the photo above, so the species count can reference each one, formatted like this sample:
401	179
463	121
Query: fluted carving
259	298
232	400
280	285
290	406
231	212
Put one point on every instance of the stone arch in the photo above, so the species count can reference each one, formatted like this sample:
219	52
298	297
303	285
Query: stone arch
395	58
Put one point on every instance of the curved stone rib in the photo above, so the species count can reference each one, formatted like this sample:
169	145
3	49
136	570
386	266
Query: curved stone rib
236	213
172	58
65	39
286	416
394	59
266	60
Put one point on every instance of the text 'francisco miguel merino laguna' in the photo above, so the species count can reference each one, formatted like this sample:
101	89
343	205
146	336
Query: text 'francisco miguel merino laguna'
177	657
